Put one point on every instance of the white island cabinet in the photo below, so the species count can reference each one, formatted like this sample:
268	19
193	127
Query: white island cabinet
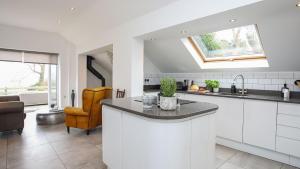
155	139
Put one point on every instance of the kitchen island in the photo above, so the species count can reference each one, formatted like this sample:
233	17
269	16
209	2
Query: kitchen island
139	138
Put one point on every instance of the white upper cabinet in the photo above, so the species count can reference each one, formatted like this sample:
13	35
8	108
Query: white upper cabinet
260	123
229	115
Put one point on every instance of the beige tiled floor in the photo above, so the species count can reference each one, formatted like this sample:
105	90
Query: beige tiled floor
50	147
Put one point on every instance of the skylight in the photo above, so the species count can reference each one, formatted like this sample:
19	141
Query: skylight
240	45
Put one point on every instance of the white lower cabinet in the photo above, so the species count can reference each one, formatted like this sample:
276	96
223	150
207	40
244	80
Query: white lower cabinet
288	146
260	123
266	126
288	129
229	115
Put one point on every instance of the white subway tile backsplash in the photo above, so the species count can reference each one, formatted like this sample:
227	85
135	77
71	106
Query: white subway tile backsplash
248	75
227	75
272	75
285	75
297	75
248	86
259	75
253	80
264	81
296	88
271	87
259	86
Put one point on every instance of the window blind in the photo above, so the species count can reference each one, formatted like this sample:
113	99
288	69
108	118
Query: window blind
7	55
28	57
40	58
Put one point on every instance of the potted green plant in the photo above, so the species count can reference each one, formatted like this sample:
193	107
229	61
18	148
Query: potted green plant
213	85
168	101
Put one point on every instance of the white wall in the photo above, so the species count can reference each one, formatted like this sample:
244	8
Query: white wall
32	40
149	67
93	81
128	51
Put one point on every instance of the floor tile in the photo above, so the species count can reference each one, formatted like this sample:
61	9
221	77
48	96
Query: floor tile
219	162
248	161
78	158
71	144
16	141
41	164
230	166
22	156
224	153
285	166
3	147
3	162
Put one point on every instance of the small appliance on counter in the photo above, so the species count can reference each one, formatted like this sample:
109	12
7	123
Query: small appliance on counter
180	85
233	88
186	85
285	91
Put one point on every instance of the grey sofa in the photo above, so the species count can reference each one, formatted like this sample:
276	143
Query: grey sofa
11	114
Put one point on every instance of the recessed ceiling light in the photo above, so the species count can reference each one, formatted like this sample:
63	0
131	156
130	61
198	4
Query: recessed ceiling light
232	20
298	4
72	9
183	32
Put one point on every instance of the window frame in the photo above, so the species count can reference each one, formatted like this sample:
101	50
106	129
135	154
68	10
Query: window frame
199	51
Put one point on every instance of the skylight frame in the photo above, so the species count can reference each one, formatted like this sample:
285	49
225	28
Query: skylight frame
201	54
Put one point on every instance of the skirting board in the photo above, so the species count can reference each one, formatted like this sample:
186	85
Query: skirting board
269	154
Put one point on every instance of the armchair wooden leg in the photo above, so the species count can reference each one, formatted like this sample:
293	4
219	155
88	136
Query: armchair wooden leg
87	132
20	131
68	129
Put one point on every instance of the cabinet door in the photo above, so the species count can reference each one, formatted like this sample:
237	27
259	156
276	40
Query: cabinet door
229	115
230	118
260	123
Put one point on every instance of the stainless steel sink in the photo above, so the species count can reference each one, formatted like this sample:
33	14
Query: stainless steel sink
232	94
229	94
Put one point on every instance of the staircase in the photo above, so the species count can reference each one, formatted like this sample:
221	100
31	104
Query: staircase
93	70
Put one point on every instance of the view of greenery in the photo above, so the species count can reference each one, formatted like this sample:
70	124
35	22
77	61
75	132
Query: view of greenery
23	77
231	42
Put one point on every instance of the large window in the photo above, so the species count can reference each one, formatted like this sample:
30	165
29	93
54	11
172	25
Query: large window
236	44
32	75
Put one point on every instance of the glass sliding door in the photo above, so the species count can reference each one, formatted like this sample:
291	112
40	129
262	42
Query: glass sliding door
52	87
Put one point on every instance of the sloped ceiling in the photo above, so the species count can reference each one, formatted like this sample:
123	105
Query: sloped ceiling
278	23
56	15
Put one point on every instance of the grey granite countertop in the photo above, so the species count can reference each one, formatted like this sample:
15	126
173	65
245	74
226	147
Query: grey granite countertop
264	97
187	110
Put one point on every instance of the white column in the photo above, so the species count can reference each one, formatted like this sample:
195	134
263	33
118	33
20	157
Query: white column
128	66
81	78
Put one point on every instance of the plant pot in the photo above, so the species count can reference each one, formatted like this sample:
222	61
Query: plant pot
168	103
216	90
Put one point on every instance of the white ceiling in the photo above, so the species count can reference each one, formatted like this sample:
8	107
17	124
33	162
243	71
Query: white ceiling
45	14
278	23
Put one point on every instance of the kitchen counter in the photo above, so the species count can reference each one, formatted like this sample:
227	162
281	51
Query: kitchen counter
187	109
265	97
138	138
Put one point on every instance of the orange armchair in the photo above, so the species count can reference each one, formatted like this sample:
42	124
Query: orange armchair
90	115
